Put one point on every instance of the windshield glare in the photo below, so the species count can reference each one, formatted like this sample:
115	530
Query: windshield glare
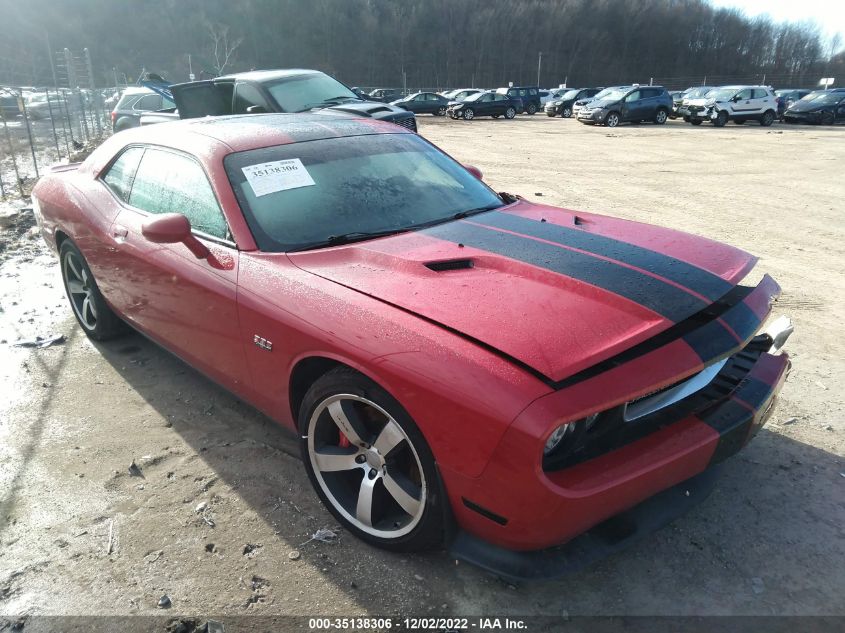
303	92
372	183
473	97
721	94
697	93
613	94
569	94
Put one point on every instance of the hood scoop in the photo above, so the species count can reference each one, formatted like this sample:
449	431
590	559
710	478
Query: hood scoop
449	264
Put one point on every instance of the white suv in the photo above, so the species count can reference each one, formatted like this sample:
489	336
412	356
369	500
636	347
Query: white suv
732	103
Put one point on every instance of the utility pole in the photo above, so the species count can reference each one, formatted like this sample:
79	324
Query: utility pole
190	69
539	65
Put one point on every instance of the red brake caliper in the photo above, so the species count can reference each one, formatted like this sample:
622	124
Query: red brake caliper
343	442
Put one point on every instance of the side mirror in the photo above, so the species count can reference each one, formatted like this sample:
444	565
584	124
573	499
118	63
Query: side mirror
256	109
173	228
475	171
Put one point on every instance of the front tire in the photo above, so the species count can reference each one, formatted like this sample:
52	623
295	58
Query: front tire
369	463
828	118
611	120
469	114
566	113
721	119
93	314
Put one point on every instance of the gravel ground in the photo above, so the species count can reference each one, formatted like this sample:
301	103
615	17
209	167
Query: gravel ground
221	514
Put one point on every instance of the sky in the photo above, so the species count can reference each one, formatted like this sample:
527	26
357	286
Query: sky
829	14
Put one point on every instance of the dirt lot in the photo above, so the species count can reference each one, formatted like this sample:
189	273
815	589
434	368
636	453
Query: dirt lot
769	541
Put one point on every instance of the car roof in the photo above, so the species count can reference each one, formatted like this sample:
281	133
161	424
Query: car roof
268	75
138	90
250	131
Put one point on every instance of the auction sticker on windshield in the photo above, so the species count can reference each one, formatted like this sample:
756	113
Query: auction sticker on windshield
276	176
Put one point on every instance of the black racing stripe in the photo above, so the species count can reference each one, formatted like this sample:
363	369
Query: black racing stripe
732	421
664	299
742	320
754	392
711	341
687	275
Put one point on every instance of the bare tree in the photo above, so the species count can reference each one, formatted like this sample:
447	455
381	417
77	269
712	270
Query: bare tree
222	49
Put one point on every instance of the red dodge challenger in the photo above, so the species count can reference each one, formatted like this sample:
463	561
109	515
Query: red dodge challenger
532	386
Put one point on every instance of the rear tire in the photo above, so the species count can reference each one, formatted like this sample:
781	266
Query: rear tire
369	463
510	113
828	118
694	121
532	108
93	314
441	111
661	116
768	118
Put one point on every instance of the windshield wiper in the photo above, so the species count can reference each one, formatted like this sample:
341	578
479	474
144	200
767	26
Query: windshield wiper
360	236
328	102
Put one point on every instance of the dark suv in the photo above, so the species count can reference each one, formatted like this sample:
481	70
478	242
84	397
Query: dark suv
294	90
628	103
529	95
563	105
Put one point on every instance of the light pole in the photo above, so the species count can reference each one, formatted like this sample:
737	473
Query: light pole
539	65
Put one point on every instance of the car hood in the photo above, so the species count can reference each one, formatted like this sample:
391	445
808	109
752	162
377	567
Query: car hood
602	103
805	106
551	290
372	109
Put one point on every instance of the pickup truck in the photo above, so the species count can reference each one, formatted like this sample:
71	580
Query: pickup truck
259	91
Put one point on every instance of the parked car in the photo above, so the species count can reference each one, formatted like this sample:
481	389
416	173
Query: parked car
732	103
418	418
260	91
630	104
385	95
494	104
423	103
9	104
823	107
41	105
135	102
580	103
528	95
787	96
563	105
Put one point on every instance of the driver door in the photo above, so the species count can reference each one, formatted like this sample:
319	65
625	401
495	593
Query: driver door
186	304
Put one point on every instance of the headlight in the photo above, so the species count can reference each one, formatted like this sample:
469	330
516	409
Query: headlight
566	431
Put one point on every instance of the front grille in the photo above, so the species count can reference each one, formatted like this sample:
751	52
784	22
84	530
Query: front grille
409	123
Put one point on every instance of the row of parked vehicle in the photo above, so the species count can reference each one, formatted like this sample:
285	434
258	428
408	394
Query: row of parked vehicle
716	105
42	103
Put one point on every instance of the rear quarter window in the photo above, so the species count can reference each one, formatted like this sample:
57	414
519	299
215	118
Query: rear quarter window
120	175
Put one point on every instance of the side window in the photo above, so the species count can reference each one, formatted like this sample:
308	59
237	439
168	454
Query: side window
744	94
487	97
148	102
166	182
759	93
420	97
247	95
120	175
501	97
634	96
532	92
513	93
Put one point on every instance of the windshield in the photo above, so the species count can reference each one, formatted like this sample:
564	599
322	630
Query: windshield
720	94
612	94
474	96
351	185
697	93
825	97
303	92
570	94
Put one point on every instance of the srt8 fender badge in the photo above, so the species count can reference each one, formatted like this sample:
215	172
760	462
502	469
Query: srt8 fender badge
263	343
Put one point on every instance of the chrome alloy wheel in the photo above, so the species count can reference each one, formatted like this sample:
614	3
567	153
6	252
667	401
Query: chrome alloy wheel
80	290
366	466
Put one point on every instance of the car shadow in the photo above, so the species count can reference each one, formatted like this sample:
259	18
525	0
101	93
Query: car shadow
763	543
